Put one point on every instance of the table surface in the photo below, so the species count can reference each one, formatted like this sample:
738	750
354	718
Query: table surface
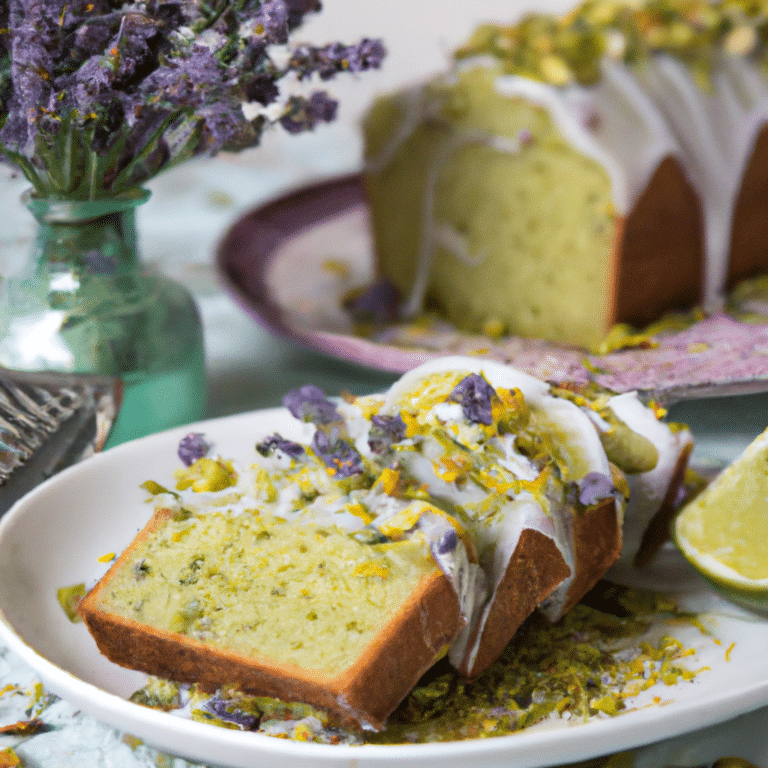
190	210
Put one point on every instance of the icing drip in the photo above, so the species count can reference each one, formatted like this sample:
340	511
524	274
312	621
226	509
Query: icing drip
433	232
717	131
628	121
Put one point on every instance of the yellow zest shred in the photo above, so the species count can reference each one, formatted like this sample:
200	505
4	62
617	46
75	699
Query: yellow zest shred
371	569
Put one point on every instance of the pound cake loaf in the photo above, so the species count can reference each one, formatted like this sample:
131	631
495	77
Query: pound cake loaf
335	567
570	173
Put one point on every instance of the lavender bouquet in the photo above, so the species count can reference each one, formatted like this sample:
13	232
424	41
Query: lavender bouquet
98	96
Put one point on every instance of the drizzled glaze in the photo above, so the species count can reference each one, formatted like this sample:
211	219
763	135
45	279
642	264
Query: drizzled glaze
645	104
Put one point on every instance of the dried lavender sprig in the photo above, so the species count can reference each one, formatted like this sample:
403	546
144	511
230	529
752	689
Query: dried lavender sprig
98	96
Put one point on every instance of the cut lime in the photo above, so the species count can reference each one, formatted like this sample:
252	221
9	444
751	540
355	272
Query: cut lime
723	532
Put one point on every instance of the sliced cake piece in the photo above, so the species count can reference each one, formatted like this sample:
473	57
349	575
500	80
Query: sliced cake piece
569	172
301	612
531	478
511	203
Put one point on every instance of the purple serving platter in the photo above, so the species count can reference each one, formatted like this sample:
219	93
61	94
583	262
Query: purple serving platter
290	263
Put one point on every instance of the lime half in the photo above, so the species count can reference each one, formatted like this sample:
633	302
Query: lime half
723	532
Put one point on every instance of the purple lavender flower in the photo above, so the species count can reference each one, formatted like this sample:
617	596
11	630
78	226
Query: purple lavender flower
337	453
270	23
304	114
193	447
448	542
278	443
309	403
297	9
594	487
328	60
385	432
368	54
475	395
132	88
229	711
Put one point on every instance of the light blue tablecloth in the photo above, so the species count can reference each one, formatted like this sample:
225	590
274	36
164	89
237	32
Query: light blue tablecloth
248	369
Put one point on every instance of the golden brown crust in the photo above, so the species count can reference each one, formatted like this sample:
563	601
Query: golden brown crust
532	574
658	531
660	250
365	694
596	547
749	254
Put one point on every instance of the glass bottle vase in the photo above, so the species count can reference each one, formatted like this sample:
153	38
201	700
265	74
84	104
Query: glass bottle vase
85	303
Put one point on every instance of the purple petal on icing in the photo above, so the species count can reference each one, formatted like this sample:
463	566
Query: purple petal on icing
278	443
475	394
309	403
193	447
385	431
378	302
337	453
593	487
448	542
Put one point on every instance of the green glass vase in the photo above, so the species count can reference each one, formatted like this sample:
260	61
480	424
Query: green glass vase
85	303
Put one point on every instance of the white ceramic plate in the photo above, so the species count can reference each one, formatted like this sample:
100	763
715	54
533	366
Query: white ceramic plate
54	536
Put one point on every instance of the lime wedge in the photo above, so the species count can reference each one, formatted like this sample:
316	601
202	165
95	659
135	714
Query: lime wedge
723	532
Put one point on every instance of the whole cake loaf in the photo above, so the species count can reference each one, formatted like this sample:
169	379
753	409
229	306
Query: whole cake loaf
430	520
570	173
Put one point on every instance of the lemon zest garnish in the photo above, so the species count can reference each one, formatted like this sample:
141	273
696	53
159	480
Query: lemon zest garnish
412	426
371	569
454	469
389	480
358	510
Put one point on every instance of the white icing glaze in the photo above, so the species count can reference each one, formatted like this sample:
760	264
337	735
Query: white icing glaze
647	489
628	122
717	131
520	515
573	433
497	374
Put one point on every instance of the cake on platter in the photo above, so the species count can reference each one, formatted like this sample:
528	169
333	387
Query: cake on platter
426	522
566	174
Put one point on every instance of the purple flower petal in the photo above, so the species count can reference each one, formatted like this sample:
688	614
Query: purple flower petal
384	432
448	542
278	443
594	487
304	114
309	403
193	447
378	302
475	395
337	453
229	711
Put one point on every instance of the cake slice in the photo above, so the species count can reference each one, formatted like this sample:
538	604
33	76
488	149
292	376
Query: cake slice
301	612
529	472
